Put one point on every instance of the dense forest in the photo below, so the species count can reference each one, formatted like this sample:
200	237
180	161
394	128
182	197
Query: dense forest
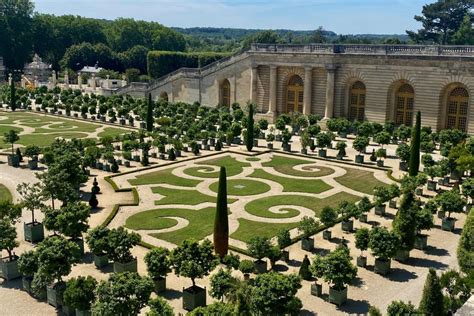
122	45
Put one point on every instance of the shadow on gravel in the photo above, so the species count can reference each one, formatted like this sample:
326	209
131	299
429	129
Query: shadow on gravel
434	251
401	275
425	263
358	307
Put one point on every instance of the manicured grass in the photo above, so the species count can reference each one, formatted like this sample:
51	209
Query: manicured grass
253	159
201	223
43	140
248	229
294	185
233	167
360	180
112	131
242	187
5	194
261	206
185	197
163	176
284	164
149	220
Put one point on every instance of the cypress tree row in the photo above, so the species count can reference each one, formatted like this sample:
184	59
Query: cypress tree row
414	164
249	138
221	222
432	299
149	114
12	96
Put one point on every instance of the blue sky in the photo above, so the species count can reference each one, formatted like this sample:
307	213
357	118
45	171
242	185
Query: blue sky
341	16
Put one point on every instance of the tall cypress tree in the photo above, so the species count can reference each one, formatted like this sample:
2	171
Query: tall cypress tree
404	224
12	96
221	222
432	299
249	140
149	114
414	164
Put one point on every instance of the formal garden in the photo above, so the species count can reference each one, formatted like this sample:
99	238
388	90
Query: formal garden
303	215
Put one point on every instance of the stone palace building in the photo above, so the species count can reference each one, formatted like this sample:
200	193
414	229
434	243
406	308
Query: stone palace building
363	82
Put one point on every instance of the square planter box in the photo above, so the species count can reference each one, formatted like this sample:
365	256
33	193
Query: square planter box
447	224
126	267
361	261
285	255
446	180
322	153
13	160
340	157
260	266
127	163
76	115
270	145
212	142
432	185
419	191
33	164
287	148
100	165
122	121
307	244
142	125
26	284
402	255
363	218
55	294
154	155
379	163
382	266
102	118
316	289
9	269
327	235
343	134
421	242
337	297
392	204
403	166
160	285
68	311
101	261
359	158
380	210
193	298
347	226
33	232
304	151
80	243
136	158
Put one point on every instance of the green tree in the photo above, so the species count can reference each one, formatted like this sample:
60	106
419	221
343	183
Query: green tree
221	283
259	247
158	263
193	260
400	308
122	294
362	238
8	236
414	162
11	137
79	293
149	114
338	269
264	37
465	33
383	243
221	221
97	240
432	297
440	21
328	216
160	307
457	288
465	250
250	126
120	243
451	202
72	219
304	271
404	224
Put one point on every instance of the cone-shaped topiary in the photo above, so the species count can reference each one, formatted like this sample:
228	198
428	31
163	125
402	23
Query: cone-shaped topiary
432	299
250	136
19	155
93	202
304	272
414	164
404	224
149	114
221	222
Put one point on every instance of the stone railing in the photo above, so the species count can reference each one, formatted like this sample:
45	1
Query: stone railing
140	87
366	49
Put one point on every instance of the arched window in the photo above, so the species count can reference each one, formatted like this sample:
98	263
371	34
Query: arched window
357	102
294	94
225	93
405	99
458	103
164	96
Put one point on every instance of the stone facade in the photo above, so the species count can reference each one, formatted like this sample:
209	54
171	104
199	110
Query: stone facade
393	82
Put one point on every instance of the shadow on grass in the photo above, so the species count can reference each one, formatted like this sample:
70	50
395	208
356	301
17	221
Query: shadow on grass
425	263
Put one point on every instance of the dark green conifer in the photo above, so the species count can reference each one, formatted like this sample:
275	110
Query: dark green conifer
304	271
250	122
221	222
149	114
414	163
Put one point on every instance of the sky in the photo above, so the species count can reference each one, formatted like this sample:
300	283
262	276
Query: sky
340	16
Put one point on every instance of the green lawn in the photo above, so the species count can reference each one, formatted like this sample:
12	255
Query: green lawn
111	131
248	229
285	164
233	167
185	197
252	159
201	223
261	206
5	194
163	176
242	187
360	180
293	185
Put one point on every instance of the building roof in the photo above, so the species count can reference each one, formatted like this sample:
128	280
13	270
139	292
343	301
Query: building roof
37	63
91	69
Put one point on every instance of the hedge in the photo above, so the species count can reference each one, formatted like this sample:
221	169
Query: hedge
465	251
161	63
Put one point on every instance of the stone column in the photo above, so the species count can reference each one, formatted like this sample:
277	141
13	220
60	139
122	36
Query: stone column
10	79
66	81
308	84
331	71
253	84
54	81
272	107
93	83
79	81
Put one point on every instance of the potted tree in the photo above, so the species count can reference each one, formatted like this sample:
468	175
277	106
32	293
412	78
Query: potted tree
12	137
246	267
72	222
28	265
328	217
284	240
32	152
338	270
158	266
382	195
323	140
424	221
403	152
305	142
120	243
271	138
450	202
381	155
274	254
363	207
347	210
32	199
259	248
9	214
307	226
404	224
317	270
468	192
193	260
432	172
79	294
384	245
285	138
97	240
394	192
362	243
360	144
341	150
